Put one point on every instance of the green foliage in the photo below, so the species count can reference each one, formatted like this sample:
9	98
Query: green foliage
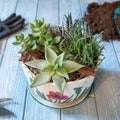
39	37
53	68
79	44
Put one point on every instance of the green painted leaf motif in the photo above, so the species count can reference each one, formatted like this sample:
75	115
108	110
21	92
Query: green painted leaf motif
59	82
50	55
59	60
77	91
39	64
62	72
72	66
40	79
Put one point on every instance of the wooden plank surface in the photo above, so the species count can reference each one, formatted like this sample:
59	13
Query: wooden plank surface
69	6
49	10
87	109
38	111
106	105
12	79
107	84
4	12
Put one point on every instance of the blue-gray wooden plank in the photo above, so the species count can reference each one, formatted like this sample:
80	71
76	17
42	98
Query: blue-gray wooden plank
12	80
34	110
87	109
49	10
107	84
5	11
69	6
109	90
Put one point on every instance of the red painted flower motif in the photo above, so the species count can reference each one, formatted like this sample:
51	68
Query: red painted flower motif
57	96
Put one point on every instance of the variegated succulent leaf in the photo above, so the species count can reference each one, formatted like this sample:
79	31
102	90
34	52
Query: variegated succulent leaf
53	67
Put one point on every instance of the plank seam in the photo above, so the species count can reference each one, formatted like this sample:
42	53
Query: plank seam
24	104
6	40
116	54
60	114
27	88
96	105
36	9
58	11
16	6
80	9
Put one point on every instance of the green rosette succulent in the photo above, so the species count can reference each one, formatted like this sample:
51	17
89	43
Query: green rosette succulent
53	68
39	37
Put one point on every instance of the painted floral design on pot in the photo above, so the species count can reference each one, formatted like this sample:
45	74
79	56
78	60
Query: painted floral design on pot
57	96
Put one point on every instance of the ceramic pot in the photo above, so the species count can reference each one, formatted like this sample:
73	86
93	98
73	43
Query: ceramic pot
47	94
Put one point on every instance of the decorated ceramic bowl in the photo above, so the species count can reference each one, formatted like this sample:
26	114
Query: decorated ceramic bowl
47	94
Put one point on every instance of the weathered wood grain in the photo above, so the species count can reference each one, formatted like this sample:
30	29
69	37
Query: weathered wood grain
33	109
107	85
117	49
5	11
87	109
49	10
13	82
84	111
107	82
71	6
12	79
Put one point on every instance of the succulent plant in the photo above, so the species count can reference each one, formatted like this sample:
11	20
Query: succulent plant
39	37
53	68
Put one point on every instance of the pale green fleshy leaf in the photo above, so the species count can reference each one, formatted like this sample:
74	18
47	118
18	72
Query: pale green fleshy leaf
39	64
62	72
40	79
72	66
50	55
57	39
55	67
52	73
59	60
59	82
47	68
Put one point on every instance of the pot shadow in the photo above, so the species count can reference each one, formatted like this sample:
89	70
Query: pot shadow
86	109
105	76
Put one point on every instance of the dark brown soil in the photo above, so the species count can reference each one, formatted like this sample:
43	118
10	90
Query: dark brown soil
100	19
31	55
